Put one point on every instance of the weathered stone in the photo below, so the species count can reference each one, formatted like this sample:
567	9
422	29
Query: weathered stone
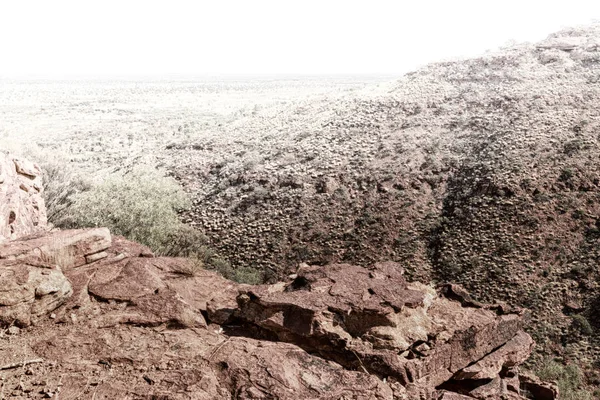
126	280
95	257
514	352
22	209
67	249
376	336
26	167
256	370
533	387
27	293
14	330
372	318
497	388
32	283
161	307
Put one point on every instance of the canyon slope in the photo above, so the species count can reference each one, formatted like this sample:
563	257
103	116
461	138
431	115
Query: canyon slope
484	172
84	314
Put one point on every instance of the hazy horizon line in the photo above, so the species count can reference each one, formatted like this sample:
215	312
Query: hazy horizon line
224	75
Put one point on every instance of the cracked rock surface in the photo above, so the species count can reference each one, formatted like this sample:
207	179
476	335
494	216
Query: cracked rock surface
130	325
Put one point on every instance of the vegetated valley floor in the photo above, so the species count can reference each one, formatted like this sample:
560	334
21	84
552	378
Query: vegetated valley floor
484	171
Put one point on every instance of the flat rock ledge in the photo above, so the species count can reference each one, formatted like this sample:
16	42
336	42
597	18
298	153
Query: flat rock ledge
109	320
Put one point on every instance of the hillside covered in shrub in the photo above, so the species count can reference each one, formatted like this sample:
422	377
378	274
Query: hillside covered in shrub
483	171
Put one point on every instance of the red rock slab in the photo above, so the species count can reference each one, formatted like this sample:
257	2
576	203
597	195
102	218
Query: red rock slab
513	353
262	370
28	293
67	249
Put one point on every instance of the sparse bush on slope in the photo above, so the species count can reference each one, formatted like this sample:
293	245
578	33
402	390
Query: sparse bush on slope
61	185
569	379
141	205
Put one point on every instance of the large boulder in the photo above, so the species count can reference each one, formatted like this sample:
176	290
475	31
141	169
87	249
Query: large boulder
67	249
32	280
28	293
275	370
22	209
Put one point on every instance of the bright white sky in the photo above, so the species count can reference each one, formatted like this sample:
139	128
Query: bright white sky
123	37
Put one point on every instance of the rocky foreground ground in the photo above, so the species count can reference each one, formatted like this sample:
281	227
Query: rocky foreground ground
86	315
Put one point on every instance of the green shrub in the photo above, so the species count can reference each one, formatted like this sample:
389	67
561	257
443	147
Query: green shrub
61	185
141	205
569	379
185	241
566	174
247	275
582	324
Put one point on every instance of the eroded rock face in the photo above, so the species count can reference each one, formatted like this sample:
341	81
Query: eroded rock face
372	319
262	370
126	324
32	282
67	249
28	293
22	210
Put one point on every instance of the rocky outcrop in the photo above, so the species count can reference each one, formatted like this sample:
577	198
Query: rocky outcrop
28	293
371	319
141	325
66	249
22	210
32	283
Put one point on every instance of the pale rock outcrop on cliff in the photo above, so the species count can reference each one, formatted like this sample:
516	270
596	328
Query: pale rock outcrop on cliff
22	210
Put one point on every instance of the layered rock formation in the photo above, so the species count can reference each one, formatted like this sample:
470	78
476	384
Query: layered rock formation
128	324
22	210
371	319
88	315
32	283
